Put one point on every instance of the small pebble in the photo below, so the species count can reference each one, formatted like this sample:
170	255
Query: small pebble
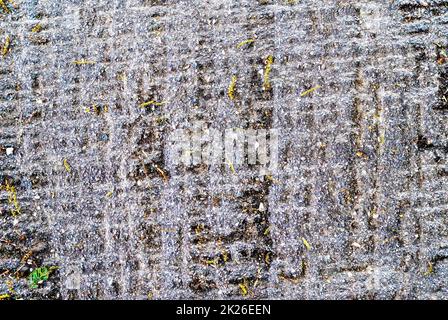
9	151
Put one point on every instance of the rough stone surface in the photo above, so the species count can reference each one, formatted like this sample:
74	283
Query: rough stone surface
362	173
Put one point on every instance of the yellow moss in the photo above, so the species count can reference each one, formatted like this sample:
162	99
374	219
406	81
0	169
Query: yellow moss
267	72
232	168
361	154
67	166
4	6
12	199
381	139
152	103
83	61
306	244
266	232
6	46
307	92
243	288
37	28
212	262
122	77
267	258
199	228
4	296
232	86
242	43
225	256
430	269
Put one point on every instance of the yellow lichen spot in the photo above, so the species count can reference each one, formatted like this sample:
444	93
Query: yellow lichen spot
306	244
87	110
307	92
267	72
232	86
109	194
67	166
242	43
152	103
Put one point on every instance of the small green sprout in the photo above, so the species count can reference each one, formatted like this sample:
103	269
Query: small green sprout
39	276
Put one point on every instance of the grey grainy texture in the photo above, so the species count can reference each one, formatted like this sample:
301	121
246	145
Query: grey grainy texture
362	160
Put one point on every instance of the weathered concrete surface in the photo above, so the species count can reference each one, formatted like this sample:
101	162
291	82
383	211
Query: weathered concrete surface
362	170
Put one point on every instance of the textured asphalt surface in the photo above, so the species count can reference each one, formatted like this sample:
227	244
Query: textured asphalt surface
357	208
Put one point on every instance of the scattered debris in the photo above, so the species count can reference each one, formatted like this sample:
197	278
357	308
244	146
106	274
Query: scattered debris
9	151
161	172
267	72
232	86
442	55
242	43
307	92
